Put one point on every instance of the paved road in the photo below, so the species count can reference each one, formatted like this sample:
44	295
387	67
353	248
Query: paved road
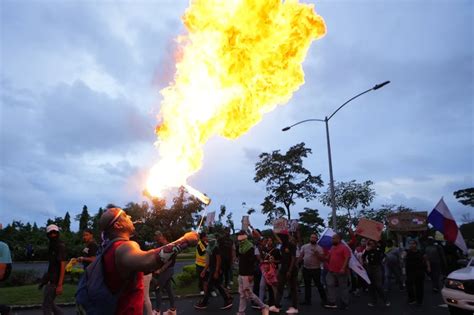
433	306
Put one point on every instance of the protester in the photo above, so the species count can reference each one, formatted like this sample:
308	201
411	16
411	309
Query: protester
214	269
5	270
311	255
437	260
228	257
373	259
393	257
247	263
164	276
269	259
359	283
201	259
123	265
54	277
90	251
287	274
338	273
416	265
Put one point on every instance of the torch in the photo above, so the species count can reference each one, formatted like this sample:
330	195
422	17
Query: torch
203	198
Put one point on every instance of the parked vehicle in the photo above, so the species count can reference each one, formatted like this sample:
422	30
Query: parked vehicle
458	290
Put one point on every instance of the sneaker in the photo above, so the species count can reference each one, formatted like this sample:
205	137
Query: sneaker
154	312
274	309
292	310
255	306
265	310
330	305
411	302
171	311
201	293
388	303
370	304
200	306
213	293
227	305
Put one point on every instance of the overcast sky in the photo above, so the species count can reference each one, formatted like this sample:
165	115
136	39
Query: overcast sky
79	97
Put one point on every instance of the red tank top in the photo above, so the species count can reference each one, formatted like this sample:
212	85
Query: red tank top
131	299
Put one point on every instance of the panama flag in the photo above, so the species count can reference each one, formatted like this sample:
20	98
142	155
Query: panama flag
325	241
442	220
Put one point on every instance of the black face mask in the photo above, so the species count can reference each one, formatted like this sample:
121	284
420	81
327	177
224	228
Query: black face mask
313	242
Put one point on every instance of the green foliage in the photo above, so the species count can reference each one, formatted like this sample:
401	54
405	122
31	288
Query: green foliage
465	196
84	219
286	179
187	276
21	277
310	222
350	195
467	231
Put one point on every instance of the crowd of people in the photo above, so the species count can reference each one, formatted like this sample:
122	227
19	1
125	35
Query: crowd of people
120	275
268	265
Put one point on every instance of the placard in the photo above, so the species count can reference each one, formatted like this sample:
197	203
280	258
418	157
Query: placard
370	229
210	218
245	222
280	225
408	221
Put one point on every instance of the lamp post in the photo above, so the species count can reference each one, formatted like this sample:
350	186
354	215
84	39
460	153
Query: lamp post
326	121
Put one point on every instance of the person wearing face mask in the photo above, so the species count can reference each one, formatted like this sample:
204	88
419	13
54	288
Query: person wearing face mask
311	255
54	278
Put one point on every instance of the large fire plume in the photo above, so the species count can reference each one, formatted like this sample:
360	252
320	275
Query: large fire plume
238	61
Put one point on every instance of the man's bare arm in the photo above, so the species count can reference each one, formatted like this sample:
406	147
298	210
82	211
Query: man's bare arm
130	258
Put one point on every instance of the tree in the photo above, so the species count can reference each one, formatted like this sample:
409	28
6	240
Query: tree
344	223
66	224
310	221
286	179
230	222
84	219
465	196
350	195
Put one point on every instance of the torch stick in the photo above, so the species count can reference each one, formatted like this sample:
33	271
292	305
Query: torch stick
203	198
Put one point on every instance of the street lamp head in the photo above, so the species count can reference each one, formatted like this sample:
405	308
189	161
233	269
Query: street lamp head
378	86
286	128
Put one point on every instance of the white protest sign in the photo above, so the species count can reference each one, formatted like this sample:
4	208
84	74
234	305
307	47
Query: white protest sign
210	218
280	225
293	225
245	222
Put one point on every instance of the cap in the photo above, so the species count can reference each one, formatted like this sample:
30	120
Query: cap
52	227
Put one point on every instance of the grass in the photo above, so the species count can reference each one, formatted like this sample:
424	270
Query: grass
29	294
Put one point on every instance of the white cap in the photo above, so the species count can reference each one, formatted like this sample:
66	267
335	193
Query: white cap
52	227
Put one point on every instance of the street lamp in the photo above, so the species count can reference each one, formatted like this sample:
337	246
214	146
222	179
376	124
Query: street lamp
326	120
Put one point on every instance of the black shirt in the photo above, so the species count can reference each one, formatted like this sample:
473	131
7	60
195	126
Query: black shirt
213	259
415	263
89	251
286	253
374	257
56	255
247	263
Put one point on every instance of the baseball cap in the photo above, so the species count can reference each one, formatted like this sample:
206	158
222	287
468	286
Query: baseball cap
52	227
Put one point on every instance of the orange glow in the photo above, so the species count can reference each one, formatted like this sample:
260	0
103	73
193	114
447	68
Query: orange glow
240	59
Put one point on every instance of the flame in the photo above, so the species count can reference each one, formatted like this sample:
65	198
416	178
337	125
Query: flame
239	60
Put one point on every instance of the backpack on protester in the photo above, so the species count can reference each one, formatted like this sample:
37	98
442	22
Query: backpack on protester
93	297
